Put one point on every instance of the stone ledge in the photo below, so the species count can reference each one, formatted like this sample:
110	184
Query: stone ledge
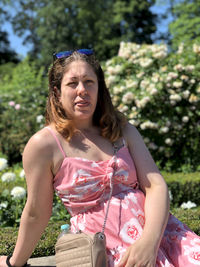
42	261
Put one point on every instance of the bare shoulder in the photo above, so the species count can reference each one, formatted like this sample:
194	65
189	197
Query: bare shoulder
130	133
39	145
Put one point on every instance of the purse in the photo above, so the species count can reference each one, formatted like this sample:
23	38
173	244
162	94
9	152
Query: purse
81	249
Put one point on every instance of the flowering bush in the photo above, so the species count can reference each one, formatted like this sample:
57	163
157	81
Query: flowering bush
12	194
160	94
23	99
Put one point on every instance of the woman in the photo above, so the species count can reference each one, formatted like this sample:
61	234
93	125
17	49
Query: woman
74	155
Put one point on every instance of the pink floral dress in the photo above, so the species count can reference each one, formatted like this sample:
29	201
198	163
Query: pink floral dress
84	185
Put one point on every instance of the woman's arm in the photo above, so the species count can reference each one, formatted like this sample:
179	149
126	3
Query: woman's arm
156	208
37	162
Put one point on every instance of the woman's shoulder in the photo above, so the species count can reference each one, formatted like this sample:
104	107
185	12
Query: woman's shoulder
129	131
40	143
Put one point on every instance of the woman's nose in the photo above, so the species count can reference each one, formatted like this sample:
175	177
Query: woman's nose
81	88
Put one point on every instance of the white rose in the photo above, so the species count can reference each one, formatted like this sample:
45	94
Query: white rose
179	67
134	122
3	205
170	195
123	108
8	177
175	97
186	94
189	68
185	119
164	129
3	164
39	118
168	141
154	91
22	174
178	84
18	192
148	125
110	79
128	98
188	205
196	48
146	62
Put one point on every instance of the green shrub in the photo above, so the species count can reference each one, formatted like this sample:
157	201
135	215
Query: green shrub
160	94
22	105
183	187
46	245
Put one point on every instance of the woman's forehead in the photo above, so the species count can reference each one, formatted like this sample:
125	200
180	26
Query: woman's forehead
78	69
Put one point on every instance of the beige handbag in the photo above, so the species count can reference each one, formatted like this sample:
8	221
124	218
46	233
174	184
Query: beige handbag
81	249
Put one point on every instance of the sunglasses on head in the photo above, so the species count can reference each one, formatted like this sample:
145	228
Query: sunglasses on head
64	54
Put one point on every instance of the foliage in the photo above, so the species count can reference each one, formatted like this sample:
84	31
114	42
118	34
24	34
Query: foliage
23	97
189	217
11	206
183	187
6	53
159	93
83	24
46	245
185	26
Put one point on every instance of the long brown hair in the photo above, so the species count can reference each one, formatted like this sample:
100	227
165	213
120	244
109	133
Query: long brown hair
109	120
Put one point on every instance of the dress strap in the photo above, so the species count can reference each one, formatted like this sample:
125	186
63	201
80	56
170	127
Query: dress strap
57	140
118	146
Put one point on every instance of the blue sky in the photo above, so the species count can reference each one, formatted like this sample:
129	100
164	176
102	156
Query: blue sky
16	43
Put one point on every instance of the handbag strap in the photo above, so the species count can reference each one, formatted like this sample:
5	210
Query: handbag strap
111	189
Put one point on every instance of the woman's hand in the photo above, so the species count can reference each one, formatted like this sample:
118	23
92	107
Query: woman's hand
140	254
3	261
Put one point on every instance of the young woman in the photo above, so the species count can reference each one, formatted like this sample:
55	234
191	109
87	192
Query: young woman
74	156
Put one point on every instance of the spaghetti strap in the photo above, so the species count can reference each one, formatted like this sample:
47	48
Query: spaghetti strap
57	140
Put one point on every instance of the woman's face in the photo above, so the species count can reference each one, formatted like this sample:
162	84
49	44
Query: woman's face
79	91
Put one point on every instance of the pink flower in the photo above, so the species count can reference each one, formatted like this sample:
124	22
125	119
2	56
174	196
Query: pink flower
17	106
11	103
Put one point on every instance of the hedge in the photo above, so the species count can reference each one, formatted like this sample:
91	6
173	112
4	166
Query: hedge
46	245
183	187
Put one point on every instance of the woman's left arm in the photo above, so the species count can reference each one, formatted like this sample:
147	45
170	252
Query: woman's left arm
144	251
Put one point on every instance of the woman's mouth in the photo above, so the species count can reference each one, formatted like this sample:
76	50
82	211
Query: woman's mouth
82	103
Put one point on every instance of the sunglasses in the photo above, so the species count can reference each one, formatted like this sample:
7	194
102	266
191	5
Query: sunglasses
64	54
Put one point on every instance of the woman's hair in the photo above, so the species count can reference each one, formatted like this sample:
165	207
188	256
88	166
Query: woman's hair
105	116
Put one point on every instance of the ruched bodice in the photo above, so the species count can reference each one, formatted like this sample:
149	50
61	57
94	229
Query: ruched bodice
83	184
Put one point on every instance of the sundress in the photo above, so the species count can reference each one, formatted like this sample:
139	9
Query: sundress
84	185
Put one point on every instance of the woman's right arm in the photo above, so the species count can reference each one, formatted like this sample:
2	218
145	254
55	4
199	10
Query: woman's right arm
37	163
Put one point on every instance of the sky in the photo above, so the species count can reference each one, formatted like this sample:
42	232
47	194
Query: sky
16	43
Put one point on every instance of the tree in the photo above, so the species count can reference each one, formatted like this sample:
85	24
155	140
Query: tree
6	54
100	24
186	25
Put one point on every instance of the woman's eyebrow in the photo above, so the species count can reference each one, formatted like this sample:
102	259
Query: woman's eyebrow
75	77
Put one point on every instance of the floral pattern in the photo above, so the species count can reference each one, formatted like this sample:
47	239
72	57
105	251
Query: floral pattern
84	186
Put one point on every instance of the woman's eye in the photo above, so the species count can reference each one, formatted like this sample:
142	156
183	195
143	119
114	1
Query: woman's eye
89	81
71	84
